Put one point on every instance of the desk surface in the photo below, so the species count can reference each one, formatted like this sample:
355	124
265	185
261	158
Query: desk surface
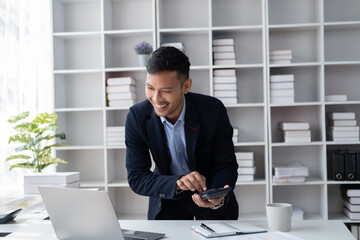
181	230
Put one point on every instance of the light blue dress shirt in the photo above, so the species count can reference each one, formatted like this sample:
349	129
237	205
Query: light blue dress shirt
175	136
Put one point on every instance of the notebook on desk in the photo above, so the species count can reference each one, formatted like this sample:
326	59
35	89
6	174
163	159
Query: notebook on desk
84	215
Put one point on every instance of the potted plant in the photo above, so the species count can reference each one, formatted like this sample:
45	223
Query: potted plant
143	50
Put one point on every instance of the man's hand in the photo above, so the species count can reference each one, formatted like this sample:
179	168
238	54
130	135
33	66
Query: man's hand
207	203
193	181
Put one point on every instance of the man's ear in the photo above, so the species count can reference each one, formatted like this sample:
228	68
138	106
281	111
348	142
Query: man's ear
187	85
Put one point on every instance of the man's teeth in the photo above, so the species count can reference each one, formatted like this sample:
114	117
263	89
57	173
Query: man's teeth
160	106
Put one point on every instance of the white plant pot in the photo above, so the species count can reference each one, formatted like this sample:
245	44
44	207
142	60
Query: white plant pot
143	59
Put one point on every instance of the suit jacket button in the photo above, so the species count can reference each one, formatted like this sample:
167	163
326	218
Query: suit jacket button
162	195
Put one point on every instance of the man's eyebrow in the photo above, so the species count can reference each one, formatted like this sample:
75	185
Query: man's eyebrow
164	88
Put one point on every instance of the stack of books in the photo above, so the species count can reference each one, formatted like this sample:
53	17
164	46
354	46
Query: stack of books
56	179
343	127
297	213
280	56
296	132
225	87
235	135
290	173
121	91
115	136
351	196
224	51
178	45
336	98
247	168
282	89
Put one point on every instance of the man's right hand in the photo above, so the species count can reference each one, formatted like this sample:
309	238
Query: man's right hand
192	181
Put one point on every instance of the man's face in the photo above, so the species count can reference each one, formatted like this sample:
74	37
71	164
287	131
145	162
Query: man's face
166	93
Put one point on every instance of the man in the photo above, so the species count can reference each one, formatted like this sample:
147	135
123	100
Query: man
190	140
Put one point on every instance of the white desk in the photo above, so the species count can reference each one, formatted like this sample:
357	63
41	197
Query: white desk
181	230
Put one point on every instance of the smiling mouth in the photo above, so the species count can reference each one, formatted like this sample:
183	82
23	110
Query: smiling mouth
161	106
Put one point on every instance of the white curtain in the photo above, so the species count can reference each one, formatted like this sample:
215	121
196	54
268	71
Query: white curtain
25	72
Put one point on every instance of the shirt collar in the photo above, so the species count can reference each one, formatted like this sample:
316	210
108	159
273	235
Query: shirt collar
181	117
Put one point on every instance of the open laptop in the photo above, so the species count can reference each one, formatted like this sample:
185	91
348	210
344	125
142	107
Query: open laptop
85	214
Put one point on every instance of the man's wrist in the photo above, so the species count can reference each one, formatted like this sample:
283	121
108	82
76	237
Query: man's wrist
220	205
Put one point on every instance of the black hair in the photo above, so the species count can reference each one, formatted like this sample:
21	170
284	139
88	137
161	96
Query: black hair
169	59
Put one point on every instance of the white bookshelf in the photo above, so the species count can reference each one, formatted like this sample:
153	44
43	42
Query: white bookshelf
94	40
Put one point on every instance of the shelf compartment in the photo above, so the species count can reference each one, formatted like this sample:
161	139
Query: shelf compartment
196	45
243	119
90	164
339	11
236	13
76	16
116	167
77	52
342	44
260	161
313	205
312	157
124	14
78	90
248	44
293	12
200	81
253	203
304	43
307	83
183	14
311	114
82	128
119	48
343	108
336	203
116	117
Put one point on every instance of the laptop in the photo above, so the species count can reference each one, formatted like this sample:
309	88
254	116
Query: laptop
85	215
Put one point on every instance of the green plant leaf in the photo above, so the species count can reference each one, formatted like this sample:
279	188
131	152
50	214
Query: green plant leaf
23	165
19	117
22	148
43	118
21	138
51	160
27	127
51	127
18	156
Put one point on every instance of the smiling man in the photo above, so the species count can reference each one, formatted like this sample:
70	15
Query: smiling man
189	138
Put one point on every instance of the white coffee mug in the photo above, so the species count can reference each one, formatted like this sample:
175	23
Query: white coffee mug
279	216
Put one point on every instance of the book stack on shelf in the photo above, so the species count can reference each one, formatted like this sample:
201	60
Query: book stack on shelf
121	91
343	127
178	45
296	132
115	136
297	213
290	173
57	179
336	98
235	135
225	87
280	56
282	89
247	168
351	196
224	51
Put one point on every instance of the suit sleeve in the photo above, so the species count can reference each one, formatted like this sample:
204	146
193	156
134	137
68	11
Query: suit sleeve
141	179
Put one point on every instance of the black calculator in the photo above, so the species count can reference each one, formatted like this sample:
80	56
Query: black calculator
214	193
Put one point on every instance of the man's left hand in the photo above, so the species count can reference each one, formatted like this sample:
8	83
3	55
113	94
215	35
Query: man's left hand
207	203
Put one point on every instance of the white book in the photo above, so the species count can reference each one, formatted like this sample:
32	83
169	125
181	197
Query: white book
223	80
246	163
235	139
282	93
119	143
223	49
225	62
121	81
297	139
281	85
224	41
235	131
224	55
178	45
282	78
294	169
121	89
225	86
282	100
352	215
297	213
56	178
352	207
115	139
341	115
246	170
288	180
245	178
280	52
121	96
336	98
280	57
352	200
34	189
280	61
340	134
345	128
122	103
342	123
225	93
115	134
294	125
298	133
228	100
224	72
345	139
115	129
244	155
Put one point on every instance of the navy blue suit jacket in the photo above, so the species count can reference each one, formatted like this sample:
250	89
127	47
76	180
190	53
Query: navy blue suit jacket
209	145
